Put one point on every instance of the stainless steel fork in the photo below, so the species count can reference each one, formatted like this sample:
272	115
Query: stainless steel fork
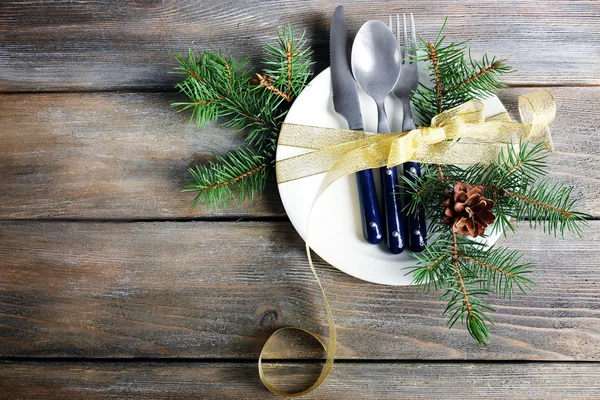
409	73
409	82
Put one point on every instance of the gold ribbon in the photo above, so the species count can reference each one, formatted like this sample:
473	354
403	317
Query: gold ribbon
341	152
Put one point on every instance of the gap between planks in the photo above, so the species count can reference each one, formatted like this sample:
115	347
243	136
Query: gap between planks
227	360
523	85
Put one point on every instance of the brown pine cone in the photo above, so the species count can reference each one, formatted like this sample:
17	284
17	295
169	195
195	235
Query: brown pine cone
467	210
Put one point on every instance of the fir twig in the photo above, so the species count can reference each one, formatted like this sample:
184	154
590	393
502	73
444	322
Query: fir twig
242	171
455	77
478	75
269	86
518	184
218	87
438	87
550	205
463	303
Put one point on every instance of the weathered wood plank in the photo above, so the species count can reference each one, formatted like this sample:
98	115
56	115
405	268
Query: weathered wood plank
155	380
217	289
50	45
125	155
107	155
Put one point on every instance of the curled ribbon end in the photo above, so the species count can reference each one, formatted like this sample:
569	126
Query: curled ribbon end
279	335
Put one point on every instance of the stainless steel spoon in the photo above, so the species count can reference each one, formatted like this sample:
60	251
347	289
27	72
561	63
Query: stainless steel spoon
376	63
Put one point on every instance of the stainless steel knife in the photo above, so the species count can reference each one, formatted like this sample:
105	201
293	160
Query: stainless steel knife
345	102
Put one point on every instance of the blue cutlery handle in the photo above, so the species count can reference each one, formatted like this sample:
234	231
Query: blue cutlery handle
369	207
415	223
394	233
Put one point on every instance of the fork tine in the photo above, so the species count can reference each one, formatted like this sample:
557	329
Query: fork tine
413	45
405	38
398	37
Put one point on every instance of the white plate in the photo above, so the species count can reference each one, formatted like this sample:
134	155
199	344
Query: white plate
335	225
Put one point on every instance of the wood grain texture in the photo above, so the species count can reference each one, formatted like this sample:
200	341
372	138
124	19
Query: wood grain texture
217	289
430	381
90	45
107	155
212	292
125	155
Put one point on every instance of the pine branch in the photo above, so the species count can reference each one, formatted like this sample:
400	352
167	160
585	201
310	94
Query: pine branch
515	182
220	89
438	87
434	264
480	74
500	269
217	87
550	205
518	164
518	184
464	303
289	63
243	171
455	79
266	82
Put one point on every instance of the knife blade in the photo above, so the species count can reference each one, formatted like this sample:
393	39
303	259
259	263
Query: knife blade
345	96
346	103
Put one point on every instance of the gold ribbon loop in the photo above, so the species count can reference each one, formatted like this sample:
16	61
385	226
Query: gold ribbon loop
340	152
538	109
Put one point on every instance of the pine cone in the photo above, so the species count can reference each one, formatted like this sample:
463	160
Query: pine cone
467	210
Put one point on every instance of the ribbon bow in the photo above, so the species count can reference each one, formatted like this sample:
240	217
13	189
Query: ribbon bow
341	152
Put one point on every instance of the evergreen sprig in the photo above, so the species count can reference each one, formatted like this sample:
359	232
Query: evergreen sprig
242	171
467	270
455	77
225	89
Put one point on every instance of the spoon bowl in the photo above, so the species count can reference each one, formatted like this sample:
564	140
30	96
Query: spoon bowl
376	60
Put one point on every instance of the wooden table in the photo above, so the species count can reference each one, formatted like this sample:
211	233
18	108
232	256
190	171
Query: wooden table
111	287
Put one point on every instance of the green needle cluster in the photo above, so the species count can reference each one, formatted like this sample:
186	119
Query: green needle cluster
455	77
468	271
225	90
518	184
